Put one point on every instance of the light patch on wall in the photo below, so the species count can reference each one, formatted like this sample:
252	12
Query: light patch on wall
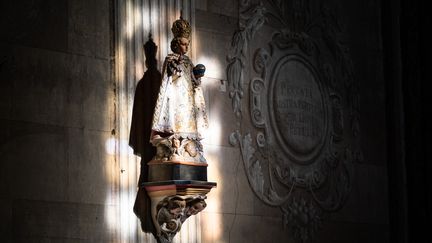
213	67
212	140
111	212
212	135
113	143
213	198
139	67
128	220
119	203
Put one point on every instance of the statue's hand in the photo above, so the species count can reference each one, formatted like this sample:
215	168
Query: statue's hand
173	64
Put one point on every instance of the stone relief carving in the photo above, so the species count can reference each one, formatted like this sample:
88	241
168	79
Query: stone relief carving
173	211
303	104
175	148
237	60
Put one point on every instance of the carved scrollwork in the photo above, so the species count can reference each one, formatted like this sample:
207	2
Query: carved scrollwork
172	211
253	169
256	86
261	140
287	39
261	59
239	48
338	126
303	218
302	95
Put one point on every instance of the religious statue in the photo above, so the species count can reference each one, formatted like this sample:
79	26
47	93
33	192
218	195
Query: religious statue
173	170
180	114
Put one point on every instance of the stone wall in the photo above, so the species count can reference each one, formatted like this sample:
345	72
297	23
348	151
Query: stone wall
59	180
57	113
235	213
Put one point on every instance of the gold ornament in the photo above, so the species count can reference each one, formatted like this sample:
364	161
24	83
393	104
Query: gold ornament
181	28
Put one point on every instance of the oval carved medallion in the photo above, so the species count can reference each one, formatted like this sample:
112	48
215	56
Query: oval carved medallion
299	115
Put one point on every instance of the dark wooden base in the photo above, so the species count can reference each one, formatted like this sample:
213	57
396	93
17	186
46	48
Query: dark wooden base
169	170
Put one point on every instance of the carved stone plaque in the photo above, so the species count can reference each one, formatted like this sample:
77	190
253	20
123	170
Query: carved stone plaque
303	105
299	117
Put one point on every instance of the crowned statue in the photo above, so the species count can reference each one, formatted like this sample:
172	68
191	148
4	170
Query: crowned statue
173	181
180	114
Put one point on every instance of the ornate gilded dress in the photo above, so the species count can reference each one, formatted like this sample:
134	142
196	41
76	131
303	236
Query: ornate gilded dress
180	106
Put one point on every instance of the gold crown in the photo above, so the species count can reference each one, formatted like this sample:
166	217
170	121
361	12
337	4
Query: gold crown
181	28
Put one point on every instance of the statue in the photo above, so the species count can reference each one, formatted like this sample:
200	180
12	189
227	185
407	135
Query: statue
180	115
173	181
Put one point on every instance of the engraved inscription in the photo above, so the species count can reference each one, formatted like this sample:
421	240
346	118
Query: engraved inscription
298	108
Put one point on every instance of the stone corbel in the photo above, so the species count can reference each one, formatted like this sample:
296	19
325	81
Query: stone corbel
173	202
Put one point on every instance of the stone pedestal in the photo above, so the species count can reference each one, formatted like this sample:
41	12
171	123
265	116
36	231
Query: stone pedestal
177	191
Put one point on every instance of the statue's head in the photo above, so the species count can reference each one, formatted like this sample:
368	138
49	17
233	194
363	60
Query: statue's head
195	205
182	34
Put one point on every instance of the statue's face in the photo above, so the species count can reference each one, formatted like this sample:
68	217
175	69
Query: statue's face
183	45
177	207
196	208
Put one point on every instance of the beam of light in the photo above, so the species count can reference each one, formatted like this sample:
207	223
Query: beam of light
112	144
213	66
214	199
137	20
212	146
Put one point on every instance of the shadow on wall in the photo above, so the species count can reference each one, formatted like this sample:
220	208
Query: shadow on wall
144	103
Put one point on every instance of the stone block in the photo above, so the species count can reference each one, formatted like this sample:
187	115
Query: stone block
34	161
229	8
271	229
88	166
232	193
59	89
373	124
262	209
222	120
60	222
212	49
368	201
89	28
216	227
247	228
40	23
201	5
6	215
216	23
360	20
246	199
6	68
342	232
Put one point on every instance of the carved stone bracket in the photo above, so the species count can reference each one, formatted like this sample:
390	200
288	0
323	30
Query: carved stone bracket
303	105
173	202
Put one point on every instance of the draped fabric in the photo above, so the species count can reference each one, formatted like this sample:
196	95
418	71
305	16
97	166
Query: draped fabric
180	106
